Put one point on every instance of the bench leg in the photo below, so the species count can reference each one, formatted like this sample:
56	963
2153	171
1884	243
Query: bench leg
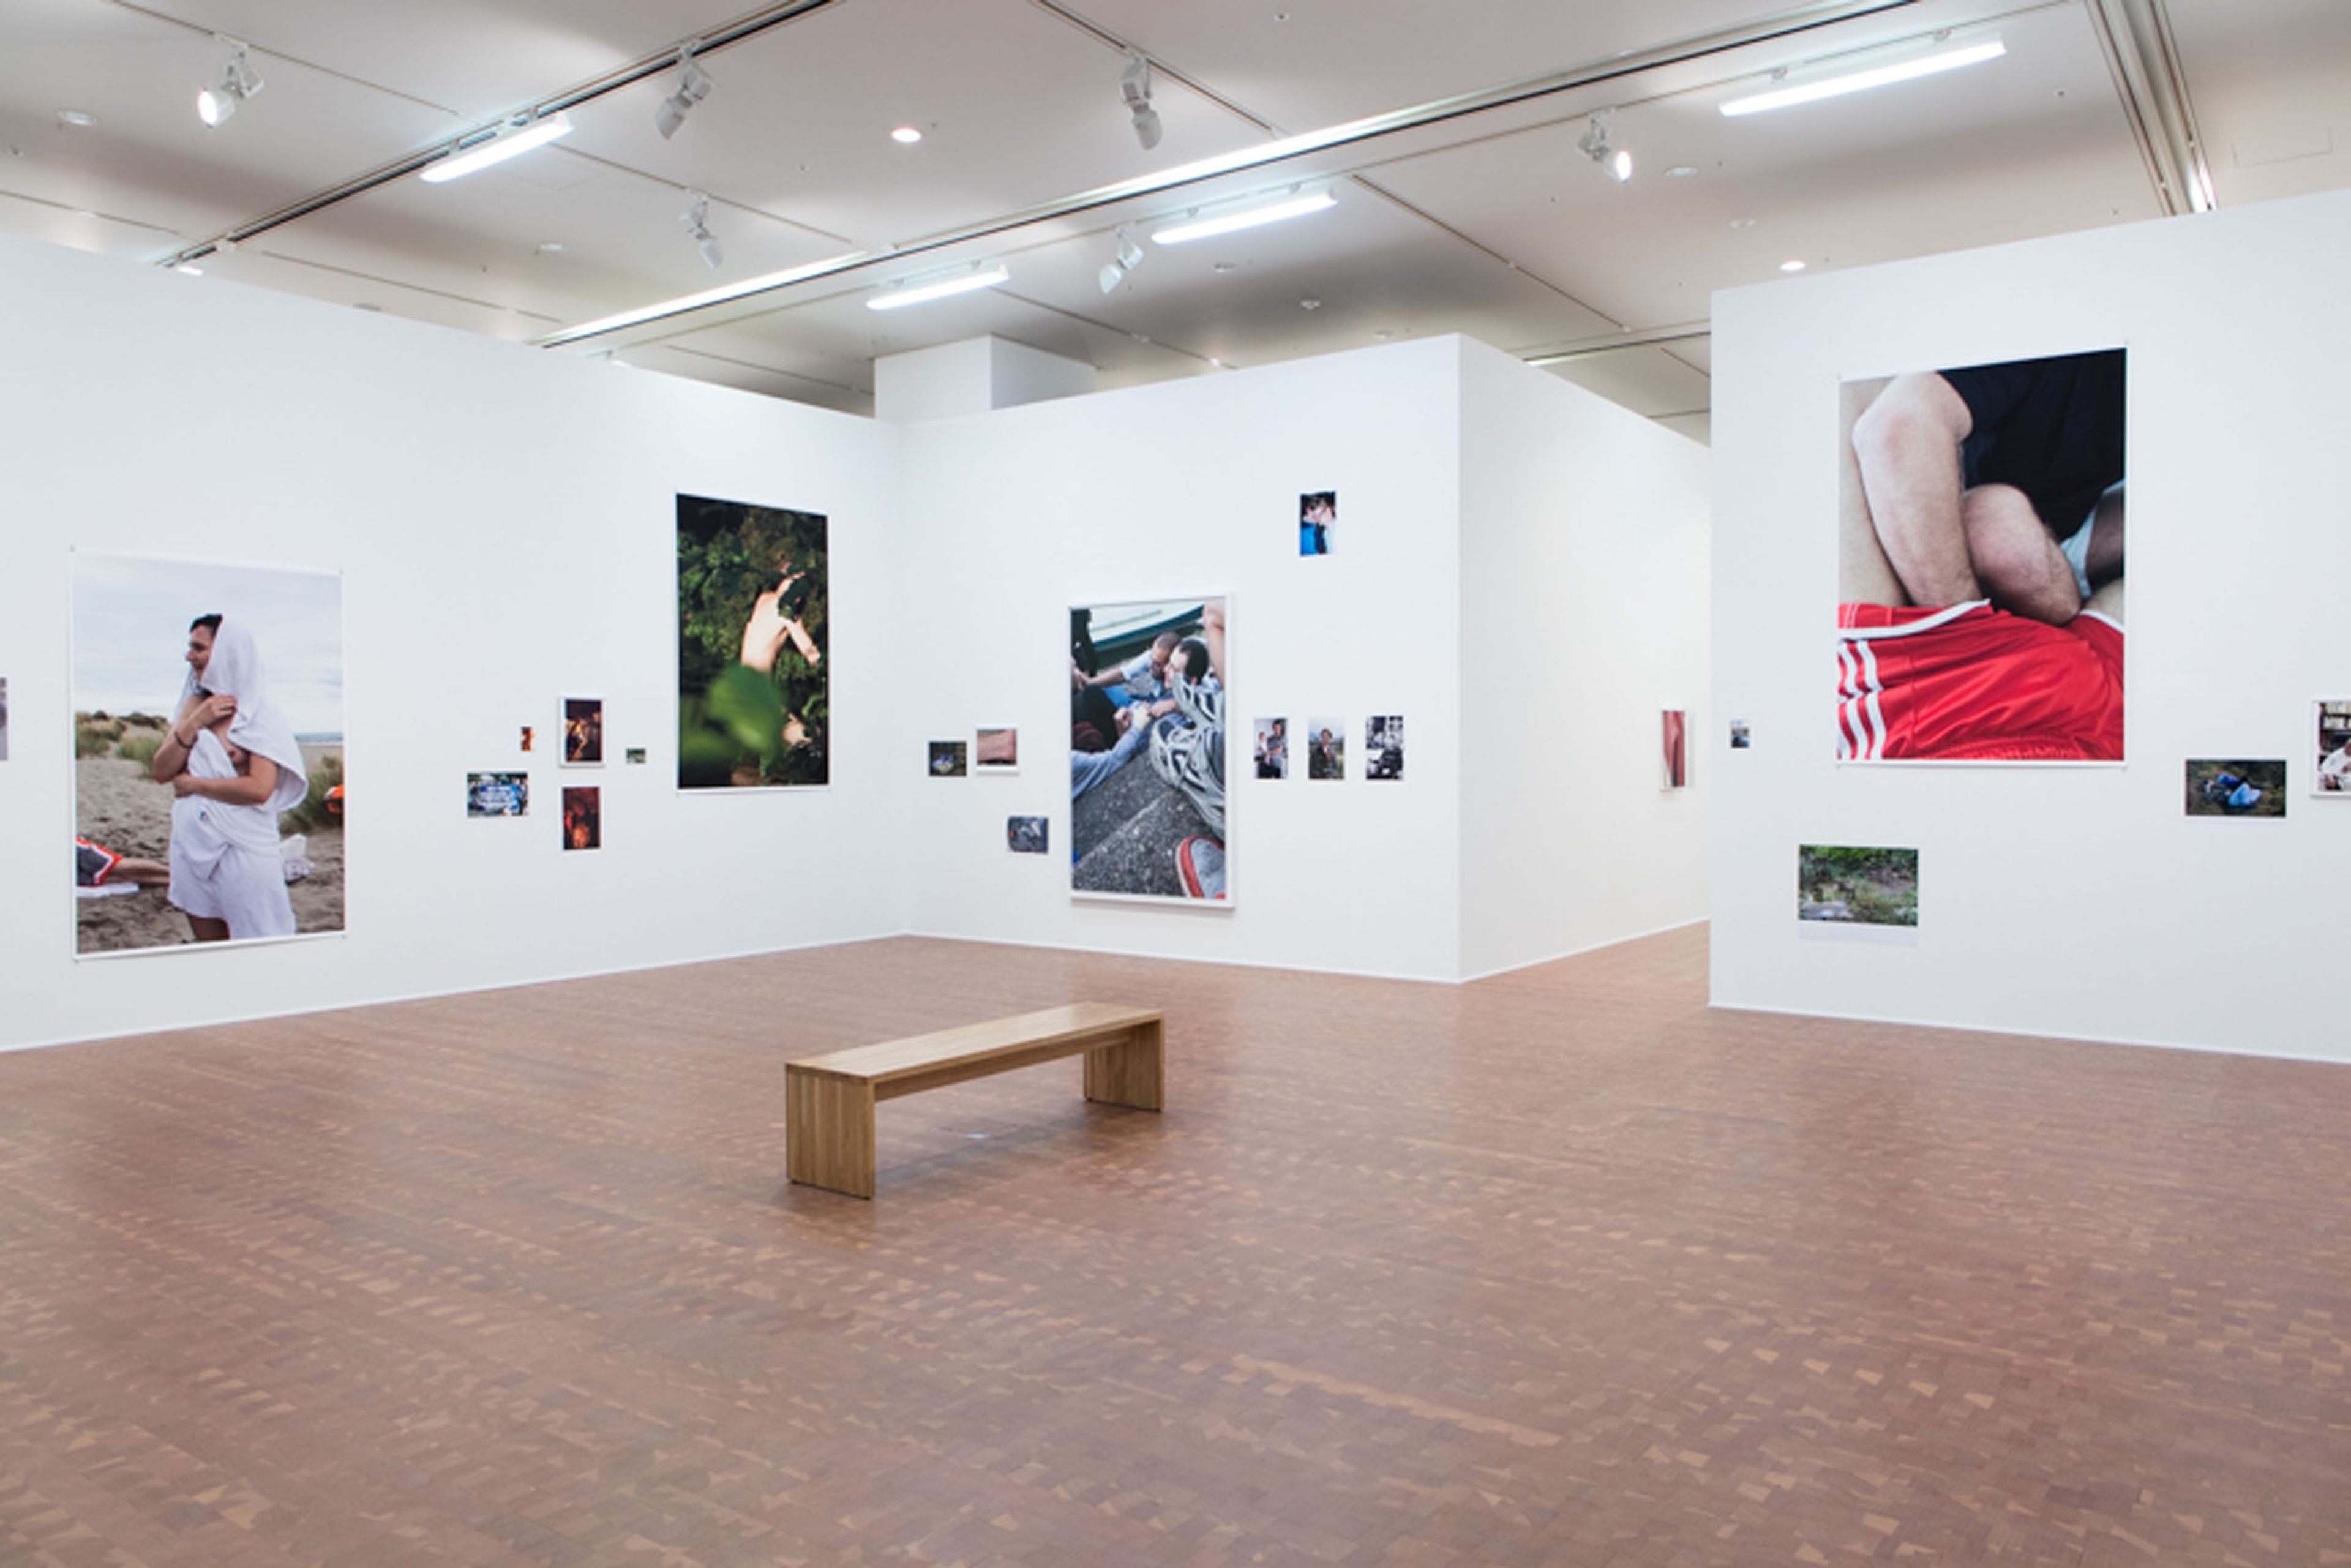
1132	1073
828	1133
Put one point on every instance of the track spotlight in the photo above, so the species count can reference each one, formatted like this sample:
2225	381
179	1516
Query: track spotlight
1130	256
1135	86
696	221
693	86
1597	145
237	83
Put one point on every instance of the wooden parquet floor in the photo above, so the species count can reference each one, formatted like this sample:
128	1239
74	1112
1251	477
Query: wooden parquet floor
1558	1268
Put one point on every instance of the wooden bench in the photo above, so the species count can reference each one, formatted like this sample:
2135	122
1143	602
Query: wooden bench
829	1100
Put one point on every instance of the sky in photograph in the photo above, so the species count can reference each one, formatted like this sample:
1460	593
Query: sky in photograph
131	616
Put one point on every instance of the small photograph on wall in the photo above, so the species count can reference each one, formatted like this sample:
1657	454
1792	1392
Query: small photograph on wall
1676	753
208	750
1857	886
583	732
1025	835
1318	514
1147	770
1326	749
948	758
2331	719
529	736
1272	747
583	817
1980	608
636	757
754	637
1383	747
996	751
498	794
2236	788
1739	741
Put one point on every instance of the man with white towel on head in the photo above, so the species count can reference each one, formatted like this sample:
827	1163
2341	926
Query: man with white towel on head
232	759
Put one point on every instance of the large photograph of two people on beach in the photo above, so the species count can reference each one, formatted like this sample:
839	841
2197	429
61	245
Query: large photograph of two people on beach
1147	750
1980	550
208	753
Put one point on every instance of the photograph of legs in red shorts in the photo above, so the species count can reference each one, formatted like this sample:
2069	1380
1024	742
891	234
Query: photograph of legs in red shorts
1980	599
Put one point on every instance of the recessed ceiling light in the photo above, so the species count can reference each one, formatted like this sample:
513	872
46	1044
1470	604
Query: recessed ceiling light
905	136
1309	305
1742	222
1680	172
76	117
553	247
1792	267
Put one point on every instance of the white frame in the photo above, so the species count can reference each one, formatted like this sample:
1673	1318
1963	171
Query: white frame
978	769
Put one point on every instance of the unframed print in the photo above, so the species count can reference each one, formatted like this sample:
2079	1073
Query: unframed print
636	754
996	751
1147	788
498	794
2219	788
583	732
1676	754
1739	741
1272	747
257	802
1326	749
1383	747
1025	835
583	817
1983	623
754	629
529	735
2331	778
1859	886
949	758
1318	514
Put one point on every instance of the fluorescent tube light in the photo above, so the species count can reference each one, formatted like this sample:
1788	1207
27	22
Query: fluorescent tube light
513	142
1248	218
898	299
1944	59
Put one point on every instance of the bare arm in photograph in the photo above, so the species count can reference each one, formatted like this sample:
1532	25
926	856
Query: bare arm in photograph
199	714
254	783
764	634
1906	449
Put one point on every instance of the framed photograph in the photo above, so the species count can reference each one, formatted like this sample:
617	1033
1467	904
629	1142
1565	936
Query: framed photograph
996	751
498	794
1318	514
754	638
583	817
948	758
583	732
1326	749
1148	680
1676	753
1026	835
1272	747
207	703
2331	726
1980	611
2236	788
1383	747
1843	884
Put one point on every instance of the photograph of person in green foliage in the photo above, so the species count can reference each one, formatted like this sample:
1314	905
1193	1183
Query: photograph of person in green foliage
752	627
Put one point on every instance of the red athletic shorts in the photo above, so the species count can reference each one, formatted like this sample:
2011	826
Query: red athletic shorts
1968	683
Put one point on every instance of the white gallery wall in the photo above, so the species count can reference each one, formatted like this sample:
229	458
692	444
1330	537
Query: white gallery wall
1584	616
1188	487
2077	900
503	521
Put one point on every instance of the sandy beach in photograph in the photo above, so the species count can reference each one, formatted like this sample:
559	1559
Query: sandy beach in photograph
118	804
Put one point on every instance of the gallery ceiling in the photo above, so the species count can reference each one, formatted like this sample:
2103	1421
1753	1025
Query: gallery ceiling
1480	216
